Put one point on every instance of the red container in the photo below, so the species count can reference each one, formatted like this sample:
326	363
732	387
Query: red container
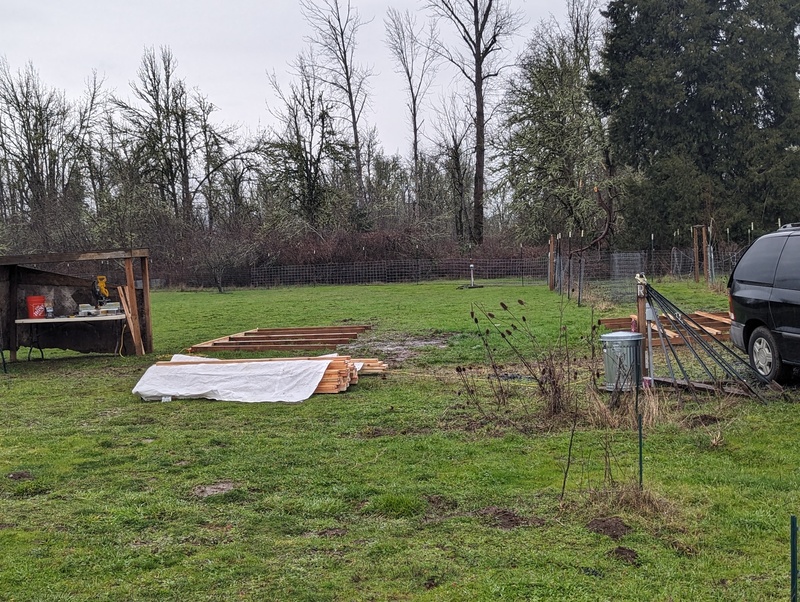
36	306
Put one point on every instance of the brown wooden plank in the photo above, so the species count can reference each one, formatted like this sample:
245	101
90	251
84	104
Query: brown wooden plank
670	333
708	329
130	290
147	327
338	362
289	336
717	316
212	341
68	257
124	303
262	347
312	329
302	339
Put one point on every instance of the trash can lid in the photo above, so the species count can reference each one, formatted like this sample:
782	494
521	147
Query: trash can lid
622	335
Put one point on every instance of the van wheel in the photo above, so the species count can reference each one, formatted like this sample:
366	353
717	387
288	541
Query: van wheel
765	357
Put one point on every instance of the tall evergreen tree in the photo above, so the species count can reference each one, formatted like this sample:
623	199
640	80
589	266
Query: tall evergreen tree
702	97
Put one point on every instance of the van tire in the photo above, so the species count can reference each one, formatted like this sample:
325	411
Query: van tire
765	357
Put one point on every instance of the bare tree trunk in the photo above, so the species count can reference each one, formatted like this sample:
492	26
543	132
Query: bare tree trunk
483	26
415	59
335	25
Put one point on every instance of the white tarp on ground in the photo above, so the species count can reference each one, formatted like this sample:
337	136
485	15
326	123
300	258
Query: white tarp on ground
291	381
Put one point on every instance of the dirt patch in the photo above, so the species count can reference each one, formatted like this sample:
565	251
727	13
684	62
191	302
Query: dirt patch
333	532
394	351
625	555
682	548
611	526
438	504
507	519
20	475
204	491
701	420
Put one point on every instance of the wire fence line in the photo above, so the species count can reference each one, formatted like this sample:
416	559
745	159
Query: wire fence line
610	275
606	274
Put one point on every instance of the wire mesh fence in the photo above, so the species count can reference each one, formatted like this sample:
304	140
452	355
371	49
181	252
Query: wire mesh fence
520	271
610	275
601	274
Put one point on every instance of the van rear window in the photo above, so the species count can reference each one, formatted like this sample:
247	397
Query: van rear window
760	260
788	274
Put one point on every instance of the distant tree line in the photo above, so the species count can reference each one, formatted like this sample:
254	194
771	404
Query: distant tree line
640	117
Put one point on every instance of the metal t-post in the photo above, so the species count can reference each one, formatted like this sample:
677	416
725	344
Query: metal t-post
793	558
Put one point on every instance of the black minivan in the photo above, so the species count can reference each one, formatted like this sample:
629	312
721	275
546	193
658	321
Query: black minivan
764	301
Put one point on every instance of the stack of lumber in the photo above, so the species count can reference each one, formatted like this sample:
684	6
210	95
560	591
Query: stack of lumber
371	366
338	376
707	324
272	339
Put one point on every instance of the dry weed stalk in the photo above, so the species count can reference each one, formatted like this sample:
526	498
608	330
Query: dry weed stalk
551	370
621	410
629	497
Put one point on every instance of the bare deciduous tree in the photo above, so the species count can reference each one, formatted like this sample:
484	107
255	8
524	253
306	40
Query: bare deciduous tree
335	25
412	49
305	143
43	141
483	26
454	128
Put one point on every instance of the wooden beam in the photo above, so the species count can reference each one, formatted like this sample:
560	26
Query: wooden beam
717	317
133	322
707	329
338	360
147	327
310	329
69	257
262	347
12	301
130	290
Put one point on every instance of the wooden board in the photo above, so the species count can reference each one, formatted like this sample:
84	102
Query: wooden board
706	324
276	339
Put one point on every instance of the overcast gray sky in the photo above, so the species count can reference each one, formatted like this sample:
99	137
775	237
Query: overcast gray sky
224	48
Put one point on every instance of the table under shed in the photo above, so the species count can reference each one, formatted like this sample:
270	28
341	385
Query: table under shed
101	334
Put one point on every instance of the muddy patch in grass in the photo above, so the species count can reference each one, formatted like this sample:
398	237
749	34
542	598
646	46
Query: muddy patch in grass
20	475
204	491
625	555
439	504
507	519
700	420
394	349
612	526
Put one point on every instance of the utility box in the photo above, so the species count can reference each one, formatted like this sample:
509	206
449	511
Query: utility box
622	360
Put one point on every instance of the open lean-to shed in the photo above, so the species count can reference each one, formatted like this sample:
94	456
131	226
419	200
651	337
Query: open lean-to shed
126	334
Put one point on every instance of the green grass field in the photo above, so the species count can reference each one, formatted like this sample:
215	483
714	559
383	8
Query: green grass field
394	490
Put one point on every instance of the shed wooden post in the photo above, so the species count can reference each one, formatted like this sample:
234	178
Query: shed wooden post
551	265
12	310
705	253
147	334
136	331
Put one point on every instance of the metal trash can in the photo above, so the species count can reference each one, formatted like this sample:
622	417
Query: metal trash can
622	360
